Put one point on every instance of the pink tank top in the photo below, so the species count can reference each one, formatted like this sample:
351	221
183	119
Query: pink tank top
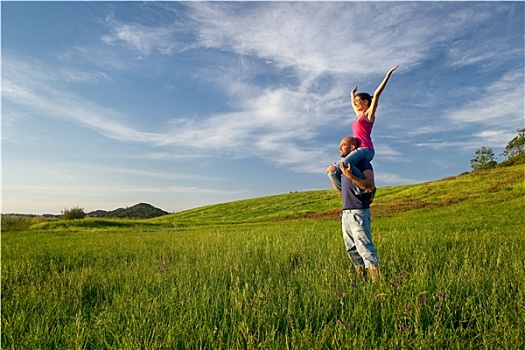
362	129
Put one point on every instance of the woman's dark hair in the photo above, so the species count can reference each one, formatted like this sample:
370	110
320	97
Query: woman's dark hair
365	96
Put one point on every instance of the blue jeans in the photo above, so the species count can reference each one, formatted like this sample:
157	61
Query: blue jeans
357	236
352	158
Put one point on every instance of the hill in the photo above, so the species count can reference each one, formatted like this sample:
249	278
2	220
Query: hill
138	211
454	197
502	185
278	276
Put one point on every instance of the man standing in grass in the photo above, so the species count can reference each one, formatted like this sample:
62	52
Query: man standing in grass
356	218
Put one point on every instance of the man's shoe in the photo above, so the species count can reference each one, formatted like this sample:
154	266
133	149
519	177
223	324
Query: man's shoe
374	274
360	273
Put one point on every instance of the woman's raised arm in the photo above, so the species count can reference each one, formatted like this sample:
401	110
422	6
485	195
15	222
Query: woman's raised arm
370	113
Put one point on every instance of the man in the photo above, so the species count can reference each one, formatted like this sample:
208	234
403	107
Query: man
356	218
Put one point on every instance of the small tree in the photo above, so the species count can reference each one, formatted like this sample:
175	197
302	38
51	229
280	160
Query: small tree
73	213
483	159
516	146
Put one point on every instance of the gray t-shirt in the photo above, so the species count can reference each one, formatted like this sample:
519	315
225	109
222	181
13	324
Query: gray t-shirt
350	199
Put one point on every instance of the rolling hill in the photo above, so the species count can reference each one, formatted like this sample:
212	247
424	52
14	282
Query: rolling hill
501	185
498	192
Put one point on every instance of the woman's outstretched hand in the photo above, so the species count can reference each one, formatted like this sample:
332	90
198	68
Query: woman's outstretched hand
392	69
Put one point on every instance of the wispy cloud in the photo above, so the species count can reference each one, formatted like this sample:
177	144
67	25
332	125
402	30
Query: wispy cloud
441	144
466	51
495	138
390	178
111	197
167	84
499	104
98	191
142	39
39	87
313	49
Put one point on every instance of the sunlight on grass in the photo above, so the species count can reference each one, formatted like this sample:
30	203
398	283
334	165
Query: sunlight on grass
453	277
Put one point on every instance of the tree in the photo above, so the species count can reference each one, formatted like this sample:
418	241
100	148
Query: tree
516	146
483	159
73	213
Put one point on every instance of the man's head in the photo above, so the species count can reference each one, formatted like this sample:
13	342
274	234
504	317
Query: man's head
347	145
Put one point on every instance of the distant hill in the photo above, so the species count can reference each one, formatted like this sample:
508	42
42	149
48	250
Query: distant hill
138	211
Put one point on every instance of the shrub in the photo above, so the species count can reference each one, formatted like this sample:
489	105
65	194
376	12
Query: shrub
73	213
19	222
483	159
515	150
15	223
516	146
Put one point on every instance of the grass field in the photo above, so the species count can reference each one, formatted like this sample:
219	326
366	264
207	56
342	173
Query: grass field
272	273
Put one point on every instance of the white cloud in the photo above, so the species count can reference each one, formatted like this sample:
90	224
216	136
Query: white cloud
358	38
31	198
385	152
141	38
320	45
501	104
485	48
310	37
38	87
495	138
456	145
390	178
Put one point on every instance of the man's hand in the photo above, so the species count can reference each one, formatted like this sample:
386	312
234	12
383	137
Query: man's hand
330	169
346	171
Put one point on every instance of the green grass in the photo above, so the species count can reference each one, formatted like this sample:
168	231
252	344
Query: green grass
264	209
257	274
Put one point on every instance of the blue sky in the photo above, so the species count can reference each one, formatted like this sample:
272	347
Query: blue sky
180	105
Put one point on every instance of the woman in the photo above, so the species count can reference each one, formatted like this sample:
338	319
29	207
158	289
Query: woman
364	107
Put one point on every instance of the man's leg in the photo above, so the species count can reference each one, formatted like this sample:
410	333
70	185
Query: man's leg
353	158
335	176
348	239
359	223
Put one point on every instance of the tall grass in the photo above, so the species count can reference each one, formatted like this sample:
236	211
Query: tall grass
453	277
